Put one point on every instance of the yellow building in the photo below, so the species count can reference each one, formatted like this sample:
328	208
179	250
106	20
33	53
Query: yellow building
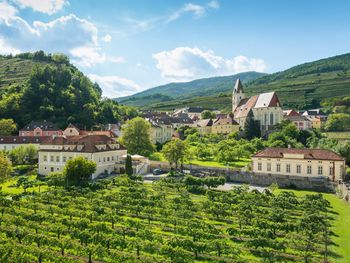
224	126
299	162
161	132
204	126
54	152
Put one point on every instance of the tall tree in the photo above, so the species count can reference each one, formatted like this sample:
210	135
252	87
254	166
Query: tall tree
5	167
251	128
7	127
175	151
136	136
78	170
128	165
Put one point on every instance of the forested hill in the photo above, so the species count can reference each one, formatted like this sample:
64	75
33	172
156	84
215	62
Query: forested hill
185	90
301	87
39	86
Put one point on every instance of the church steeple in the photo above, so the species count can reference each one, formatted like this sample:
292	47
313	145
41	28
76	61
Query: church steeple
237	95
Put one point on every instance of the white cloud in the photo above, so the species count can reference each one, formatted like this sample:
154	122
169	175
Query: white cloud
213	4
197	10
107	38
115	86
67	34
43	6
186	63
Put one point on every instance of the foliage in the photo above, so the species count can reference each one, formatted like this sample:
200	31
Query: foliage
66	95
338	122
175	152
24	154
207	114
5	167
7	127
136	136
79	170
128	165
251	128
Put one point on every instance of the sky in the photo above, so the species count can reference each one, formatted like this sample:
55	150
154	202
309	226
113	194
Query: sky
130	46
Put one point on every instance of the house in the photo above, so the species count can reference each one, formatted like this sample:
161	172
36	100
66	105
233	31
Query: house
224	126
264	108
301	122
193	112
203	126
288	113
299	162
316	116
317	122
8	143
40	128
54	152
182	120
72	130
161	130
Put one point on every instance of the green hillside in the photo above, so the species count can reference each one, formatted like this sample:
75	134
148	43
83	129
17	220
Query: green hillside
39	86
301	87
172	92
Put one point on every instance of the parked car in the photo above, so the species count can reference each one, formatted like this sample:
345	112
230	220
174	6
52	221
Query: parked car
158	172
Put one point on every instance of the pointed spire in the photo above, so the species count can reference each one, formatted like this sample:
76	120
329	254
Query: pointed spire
238	87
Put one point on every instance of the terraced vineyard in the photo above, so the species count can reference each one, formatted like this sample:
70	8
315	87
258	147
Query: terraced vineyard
125	221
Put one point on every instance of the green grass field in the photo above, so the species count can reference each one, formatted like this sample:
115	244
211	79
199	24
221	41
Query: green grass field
238	164
338	135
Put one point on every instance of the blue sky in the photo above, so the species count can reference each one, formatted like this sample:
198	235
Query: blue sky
128	46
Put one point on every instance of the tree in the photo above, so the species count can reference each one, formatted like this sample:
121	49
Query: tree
251	128
338	122
136	137
213	181
5	167
128	165
7	127
78	170
206	114
175	151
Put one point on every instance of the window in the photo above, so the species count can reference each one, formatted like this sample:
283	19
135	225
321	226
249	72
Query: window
320	170
309	169
45	158
298	168
57	159
278	167
269	167
259	167
107	159
331	170
51	158
288	168
51	169
271	119
64	159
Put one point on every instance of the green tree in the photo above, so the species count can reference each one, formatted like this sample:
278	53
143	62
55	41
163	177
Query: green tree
136	137
251	128
5	167
338	122
128	165
79	170
175	152
206	114
7	127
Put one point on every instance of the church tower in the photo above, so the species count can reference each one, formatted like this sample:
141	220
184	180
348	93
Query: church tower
237	95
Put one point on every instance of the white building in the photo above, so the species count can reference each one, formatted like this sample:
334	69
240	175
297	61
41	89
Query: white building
8	143
299	162
264	108
54	152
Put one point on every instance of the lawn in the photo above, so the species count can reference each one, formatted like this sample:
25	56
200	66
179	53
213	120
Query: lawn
340	226
238	164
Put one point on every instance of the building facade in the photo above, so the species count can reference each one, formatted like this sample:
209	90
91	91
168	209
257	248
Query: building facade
301	122
264	108
299	162
8	143
54	153
40	128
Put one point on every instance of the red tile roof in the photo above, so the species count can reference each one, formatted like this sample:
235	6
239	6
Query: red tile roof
22	139
311	154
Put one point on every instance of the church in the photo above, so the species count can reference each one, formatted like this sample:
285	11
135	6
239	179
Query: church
264	108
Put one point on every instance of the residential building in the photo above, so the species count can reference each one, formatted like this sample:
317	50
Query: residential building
54	152
299	162
316	116
204	126
290	113
161	130
301	122
40	128
72	130
224	126
264	108
194	112
8	143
